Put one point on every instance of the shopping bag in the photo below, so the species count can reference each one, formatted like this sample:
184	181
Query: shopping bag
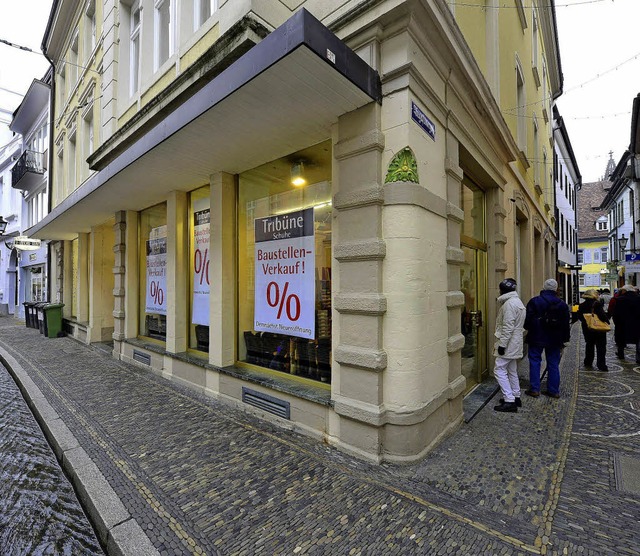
595	324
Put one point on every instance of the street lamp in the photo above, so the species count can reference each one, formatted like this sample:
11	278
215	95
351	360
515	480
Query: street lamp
622	243
3	226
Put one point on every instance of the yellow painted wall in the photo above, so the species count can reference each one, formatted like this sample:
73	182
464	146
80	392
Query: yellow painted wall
471	21
515	42
200	47
70	105
592	268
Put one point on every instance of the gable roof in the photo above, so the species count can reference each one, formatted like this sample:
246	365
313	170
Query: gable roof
590	197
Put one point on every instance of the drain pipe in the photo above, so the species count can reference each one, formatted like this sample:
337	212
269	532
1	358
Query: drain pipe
52	97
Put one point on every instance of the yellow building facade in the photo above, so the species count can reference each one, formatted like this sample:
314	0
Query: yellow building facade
357	306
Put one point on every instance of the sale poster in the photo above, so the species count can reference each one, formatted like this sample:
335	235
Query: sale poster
200	257
285	274
156	298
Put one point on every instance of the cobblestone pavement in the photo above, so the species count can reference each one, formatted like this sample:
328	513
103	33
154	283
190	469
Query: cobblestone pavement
200	477
39	512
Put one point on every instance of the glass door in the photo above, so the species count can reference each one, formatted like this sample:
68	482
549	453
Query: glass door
473	286
473	283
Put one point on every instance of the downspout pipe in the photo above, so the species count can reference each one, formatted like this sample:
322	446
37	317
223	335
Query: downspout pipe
50	180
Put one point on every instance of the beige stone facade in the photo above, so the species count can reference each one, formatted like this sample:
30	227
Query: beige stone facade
402	330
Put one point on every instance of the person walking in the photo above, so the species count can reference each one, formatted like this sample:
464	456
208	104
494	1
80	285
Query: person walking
626	317
548	328
509	345
595	341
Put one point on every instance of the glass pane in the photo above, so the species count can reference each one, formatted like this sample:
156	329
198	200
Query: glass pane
284	239
199	216
74	278
153	272
469	320
472	200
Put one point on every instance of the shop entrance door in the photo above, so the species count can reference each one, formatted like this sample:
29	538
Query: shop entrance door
473	283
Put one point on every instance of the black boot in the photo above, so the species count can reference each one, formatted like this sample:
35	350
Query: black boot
507	407
518	402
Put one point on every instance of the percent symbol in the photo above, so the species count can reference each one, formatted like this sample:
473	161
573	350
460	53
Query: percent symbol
157	293
201	265
289	302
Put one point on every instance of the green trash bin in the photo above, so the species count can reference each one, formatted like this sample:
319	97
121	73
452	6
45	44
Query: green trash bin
53	318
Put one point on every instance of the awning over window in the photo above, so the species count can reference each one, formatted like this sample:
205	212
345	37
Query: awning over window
281	96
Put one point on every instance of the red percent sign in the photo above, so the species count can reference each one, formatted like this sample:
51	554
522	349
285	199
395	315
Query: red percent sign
292	301
201	265
157	293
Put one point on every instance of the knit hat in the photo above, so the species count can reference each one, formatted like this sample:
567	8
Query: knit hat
628	288
551	285
590	294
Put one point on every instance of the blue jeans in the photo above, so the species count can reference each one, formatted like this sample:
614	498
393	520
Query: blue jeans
553	368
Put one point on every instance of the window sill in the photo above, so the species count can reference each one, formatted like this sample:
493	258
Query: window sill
300	388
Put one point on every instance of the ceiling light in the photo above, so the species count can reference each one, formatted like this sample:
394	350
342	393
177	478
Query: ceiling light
297	174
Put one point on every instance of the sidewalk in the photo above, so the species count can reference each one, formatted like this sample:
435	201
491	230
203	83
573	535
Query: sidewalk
164	470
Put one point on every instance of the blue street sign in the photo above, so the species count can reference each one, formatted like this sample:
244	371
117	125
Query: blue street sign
632	257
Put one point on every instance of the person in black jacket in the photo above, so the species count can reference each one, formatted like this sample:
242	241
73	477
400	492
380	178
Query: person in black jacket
595	341
626	316
548	326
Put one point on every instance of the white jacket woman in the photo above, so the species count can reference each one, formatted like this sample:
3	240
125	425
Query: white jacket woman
510	326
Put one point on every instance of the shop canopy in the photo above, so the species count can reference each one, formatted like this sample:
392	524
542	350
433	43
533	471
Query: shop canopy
281	96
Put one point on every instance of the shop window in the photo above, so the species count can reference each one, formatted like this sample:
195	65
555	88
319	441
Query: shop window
153	272
199	217
284	263
74	278
36	290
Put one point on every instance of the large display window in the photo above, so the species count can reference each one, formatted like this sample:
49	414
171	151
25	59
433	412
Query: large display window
153	272
199	218
74	278
284	264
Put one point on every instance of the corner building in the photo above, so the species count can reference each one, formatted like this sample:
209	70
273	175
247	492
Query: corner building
357	306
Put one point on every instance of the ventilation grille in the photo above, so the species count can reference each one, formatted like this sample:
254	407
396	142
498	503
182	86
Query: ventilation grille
266	403
141	357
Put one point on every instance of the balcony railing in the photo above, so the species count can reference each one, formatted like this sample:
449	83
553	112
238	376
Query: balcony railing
27	170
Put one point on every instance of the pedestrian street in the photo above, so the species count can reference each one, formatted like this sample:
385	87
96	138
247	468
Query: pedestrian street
201	477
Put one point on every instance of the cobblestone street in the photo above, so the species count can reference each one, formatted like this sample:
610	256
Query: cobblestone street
199	477
39	512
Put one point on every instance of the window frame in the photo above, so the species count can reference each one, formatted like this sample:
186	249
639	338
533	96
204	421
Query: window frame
159	28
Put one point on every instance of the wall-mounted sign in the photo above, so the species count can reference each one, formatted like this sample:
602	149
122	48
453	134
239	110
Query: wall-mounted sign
23	243
421	119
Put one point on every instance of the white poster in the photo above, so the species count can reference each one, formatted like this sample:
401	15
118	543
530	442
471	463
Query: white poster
156	298
201	219
285	274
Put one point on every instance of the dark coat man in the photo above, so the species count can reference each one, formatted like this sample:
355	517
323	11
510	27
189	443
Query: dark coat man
548	337
626	316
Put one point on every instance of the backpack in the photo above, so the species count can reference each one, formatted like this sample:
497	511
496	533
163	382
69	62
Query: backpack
554	318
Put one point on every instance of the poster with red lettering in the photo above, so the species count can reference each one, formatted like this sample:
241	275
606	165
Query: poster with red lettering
200	256
285	274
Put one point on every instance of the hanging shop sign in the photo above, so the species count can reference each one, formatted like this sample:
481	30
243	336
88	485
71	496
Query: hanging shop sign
285	274
23	243
201	232
156	298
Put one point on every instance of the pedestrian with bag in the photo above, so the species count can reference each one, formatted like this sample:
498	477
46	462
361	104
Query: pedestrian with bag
595	340
626	316
509	345
548	325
